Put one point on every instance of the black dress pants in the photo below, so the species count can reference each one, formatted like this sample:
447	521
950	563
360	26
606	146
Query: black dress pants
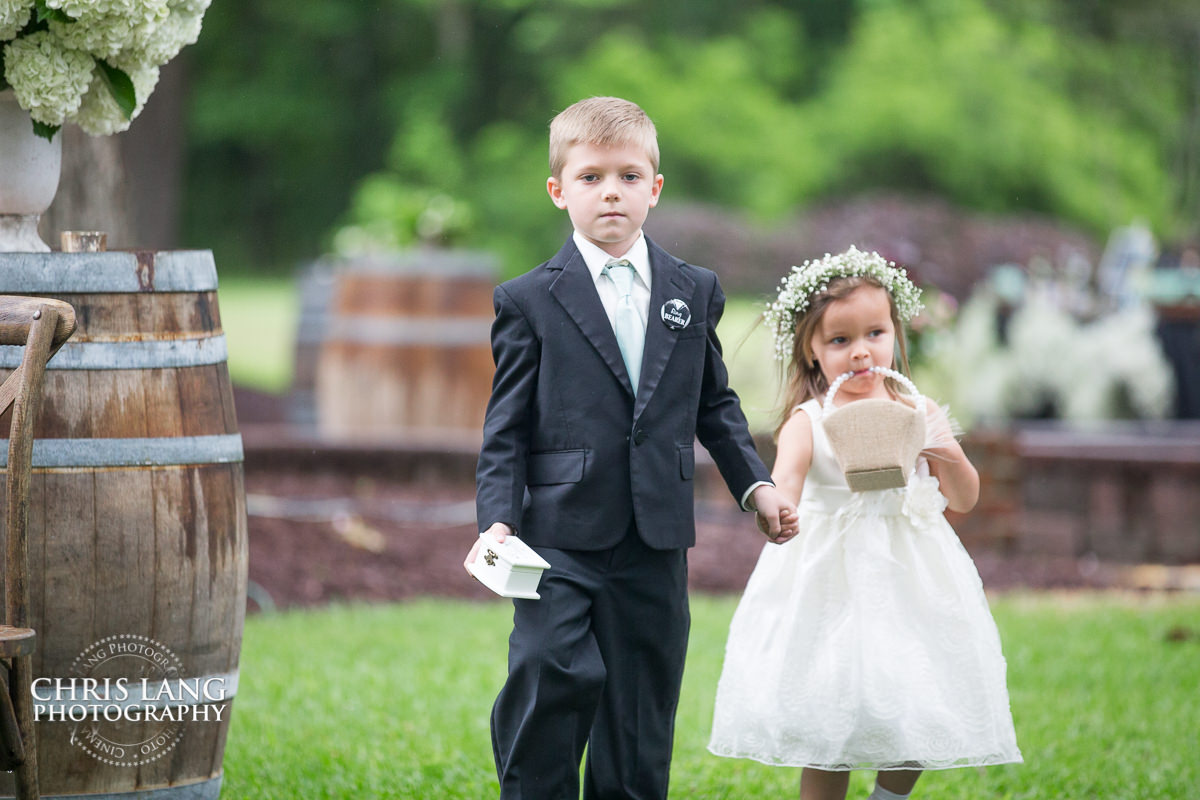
596	662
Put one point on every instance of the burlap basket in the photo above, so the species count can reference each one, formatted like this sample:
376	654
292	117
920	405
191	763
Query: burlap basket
876	442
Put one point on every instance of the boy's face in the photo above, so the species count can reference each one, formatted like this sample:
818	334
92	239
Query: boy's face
607	192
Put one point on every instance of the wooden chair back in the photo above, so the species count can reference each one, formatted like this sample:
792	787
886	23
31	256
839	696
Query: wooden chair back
40	326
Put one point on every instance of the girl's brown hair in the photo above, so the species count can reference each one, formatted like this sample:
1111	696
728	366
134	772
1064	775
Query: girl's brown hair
803	377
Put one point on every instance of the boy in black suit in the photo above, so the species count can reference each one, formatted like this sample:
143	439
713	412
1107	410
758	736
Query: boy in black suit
608	368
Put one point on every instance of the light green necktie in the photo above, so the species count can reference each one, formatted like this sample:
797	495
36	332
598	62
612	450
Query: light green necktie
627	323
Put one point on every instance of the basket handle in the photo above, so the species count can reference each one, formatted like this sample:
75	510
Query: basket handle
887	371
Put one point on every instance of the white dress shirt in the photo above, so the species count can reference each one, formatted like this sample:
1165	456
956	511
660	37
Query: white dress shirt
596	259
639	256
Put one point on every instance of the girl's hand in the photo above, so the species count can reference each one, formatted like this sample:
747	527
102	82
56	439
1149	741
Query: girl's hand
787	526
775	516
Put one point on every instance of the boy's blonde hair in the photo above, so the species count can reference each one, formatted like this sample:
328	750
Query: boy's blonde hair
603	121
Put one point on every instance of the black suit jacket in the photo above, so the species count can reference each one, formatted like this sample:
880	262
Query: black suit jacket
569	455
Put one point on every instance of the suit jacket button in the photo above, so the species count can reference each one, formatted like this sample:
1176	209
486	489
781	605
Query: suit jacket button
639	436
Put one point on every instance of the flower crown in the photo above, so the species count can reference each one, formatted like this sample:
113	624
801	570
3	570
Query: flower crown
800	285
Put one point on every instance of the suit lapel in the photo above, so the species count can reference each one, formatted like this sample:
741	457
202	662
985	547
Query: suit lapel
575	291
668	282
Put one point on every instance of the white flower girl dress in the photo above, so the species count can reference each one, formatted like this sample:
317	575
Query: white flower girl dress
865	642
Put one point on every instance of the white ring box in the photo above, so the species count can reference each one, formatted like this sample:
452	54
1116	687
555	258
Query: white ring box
510	568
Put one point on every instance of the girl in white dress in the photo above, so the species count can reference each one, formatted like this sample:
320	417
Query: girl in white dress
865	642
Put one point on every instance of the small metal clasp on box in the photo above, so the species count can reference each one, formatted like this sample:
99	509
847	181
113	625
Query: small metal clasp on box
510	568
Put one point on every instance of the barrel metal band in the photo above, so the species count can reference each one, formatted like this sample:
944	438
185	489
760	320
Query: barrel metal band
414	331
149	452
129	355
420	264
110	272
208	789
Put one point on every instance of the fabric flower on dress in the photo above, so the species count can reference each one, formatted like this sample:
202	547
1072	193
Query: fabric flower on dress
923	500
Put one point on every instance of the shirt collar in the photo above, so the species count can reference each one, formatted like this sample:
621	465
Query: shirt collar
595	258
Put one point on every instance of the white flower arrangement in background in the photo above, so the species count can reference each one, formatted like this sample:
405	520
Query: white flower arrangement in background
93	63
1110	367
1070	342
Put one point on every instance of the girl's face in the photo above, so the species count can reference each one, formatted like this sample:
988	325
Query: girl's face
853	335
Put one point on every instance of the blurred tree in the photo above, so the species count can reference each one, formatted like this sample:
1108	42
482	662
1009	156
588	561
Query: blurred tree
991	115
762	105
292	101
1157	71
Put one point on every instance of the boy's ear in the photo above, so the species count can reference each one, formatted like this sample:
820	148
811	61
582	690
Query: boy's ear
554	187
656	190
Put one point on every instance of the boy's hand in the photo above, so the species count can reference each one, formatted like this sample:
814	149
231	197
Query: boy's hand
775	515
499	530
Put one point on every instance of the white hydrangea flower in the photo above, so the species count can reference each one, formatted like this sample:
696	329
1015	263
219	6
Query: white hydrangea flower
14	15
53	72
99	114
800	285
129	9
189	6
160	44
106	34
48	79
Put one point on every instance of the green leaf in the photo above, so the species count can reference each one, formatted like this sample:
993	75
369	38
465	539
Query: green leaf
45	14
45	131
121	86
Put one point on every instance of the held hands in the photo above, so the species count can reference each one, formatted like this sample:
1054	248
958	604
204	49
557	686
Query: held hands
775	515
499	530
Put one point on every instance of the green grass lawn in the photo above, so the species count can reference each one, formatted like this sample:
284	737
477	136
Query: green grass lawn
259	316
393	701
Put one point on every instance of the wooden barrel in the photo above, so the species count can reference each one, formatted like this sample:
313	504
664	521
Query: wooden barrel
407	345
314	287
137	527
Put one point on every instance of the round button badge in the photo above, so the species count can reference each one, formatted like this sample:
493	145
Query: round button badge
675	314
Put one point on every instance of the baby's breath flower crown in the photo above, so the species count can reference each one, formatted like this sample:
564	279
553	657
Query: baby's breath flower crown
802	283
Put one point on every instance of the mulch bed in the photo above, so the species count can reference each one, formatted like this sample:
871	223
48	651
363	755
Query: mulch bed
321	538
340	525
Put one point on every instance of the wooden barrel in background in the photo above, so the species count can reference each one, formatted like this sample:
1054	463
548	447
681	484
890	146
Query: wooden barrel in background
407	345
314	287
137	525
